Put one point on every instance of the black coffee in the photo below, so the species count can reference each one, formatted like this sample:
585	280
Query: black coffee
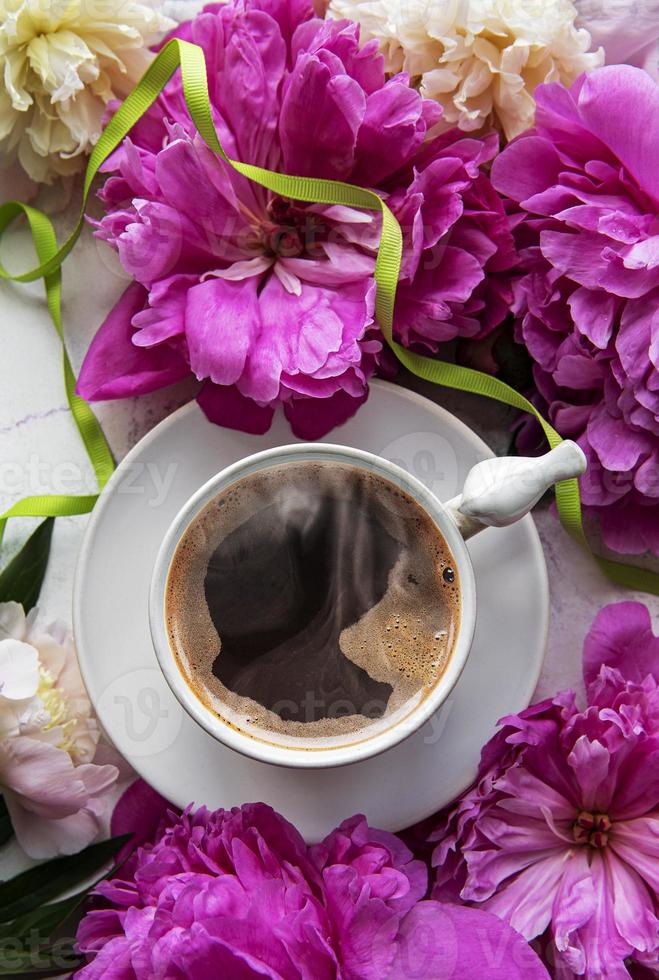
310	600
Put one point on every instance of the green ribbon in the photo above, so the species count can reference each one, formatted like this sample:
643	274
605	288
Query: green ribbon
190	58
59	505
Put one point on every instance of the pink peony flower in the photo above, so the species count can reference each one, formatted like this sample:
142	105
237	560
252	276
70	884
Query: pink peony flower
238	894
585	181
561	830
629	37
57	797
270	301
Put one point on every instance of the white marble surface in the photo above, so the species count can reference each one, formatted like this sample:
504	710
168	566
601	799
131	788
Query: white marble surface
40	448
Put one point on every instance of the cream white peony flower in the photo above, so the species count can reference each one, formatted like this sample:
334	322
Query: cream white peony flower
481	59
57	794
61	62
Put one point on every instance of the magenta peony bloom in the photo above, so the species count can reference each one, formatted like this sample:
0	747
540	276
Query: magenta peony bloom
237	894
587	184
268	300
561	830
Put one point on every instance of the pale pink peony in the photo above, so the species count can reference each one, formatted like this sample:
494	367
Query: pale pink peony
628	33
561	830
56	795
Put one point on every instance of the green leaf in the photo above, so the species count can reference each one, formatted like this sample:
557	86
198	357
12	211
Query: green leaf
21	579
43	921
6	829
58	959
32	888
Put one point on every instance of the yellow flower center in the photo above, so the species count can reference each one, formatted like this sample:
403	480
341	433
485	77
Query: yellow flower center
56	706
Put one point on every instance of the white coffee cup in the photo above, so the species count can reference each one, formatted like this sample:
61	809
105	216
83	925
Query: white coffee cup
497	492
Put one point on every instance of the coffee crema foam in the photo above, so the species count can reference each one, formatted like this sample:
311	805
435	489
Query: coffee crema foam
312	604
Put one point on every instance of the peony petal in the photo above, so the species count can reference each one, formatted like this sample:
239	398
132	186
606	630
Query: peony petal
637	325
529	165
342	265
41	776
392	130
151	241
96	928
447	942
42	838
591	764
577	256
533	795
96	779
637	786
526	903
593	312
114	962
617	278
636	842
115	368
557	111
602	946
617	446
249	82
313	418
633	905
243	269
628	529
619	105
578	371
12	621
621	637
164	318
138	811
226	406
19	670
320	118
222	321
491	870
574	904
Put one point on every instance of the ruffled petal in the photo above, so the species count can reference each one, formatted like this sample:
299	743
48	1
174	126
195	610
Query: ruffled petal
115	368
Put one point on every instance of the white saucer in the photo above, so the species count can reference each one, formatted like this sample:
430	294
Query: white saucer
146	722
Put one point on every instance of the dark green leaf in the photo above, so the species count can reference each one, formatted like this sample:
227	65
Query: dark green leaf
32	888
16	960
43	921
6	829
21	580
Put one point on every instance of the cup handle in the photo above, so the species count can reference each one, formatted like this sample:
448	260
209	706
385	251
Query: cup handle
499	491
